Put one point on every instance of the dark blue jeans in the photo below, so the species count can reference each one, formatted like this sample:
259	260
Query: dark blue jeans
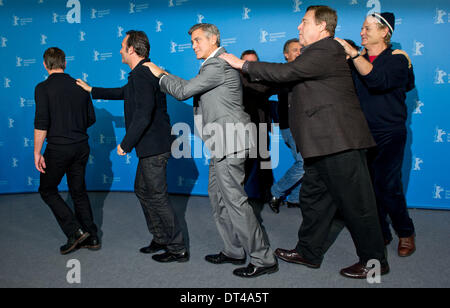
385	165
70	160
151	189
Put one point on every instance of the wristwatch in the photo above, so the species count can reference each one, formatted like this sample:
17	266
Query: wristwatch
357	55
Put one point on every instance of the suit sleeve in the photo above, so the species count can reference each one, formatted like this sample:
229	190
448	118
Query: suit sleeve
313	63
395	73
42	114
211	76
108	93
144	96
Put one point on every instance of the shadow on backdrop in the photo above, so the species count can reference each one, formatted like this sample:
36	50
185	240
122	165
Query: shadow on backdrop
182	174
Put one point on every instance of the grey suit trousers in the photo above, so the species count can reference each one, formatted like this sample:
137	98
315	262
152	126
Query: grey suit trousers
235	219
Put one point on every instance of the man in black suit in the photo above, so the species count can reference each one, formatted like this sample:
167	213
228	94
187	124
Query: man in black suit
148	130
332	135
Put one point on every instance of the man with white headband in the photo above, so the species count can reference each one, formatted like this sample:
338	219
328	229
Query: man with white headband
382	77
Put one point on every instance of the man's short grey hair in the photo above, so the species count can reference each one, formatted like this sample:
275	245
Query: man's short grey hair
209	29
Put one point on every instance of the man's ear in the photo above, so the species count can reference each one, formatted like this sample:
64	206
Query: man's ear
214	39
131	50
45	66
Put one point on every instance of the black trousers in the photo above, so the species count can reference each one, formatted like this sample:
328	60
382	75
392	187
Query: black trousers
385	164
339	183
151	189
70	160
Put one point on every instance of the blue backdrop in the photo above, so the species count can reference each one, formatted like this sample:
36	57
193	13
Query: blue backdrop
91	31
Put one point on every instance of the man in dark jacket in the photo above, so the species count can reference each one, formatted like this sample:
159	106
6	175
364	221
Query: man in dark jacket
63	114
382	77
148	130
332	135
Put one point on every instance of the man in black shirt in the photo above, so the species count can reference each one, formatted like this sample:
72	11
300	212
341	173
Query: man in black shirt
148	130
63	114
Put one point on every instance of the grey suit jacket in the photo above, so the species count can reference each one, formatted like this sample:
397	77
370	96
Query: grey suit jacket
225	126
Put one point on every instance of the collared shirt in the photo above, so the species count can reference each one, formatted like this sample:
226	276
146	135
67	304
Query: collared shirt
212	55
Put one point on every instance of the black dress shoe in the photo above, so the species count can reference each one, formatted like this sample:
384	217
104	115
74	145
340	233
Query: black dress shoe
171	257
293	205
360	271
274	204
252	271
221	259
292	256
154	247
78	237
91	243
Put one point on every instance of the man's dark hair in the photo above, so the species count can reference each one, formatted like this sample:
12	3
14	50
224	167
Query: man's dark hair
250	52
140	43
286	45
326	14
55	58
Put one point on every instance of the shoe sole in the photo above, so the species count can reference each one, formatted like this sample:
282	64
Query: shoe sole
77	242
268	272
298	262
171	261
226	262
360	277
407	255
93	248
152	252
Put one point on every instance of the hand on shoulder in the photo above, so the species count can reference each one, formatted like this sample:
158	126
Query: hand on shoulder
404	53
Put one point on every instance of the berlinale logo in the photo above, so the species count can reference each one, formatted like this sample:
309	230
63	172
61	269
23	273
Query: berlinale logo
158	26
173	47
245	13
439	78
437	192
417	51
43	39
439	18
7	83
263	36
417	162
120	31
438	138
418	109
297	4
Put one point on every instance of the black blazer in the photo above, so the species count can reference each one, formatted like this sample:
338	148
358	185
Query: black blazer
146	119
325	116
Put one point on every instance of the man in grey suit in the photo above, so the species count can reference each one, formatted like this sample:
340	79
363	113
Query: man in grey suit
217	93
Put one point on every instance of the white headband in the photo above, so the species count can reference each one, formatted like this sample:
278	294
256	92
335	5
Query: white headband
379	17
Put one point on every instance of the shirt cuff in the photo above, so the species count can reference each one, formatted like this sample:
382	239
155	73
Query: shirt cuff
161	78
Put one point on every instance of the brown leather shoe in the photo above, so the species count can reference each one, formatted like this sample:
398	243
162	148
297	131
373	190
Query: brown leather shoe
292	256
360	271
406	246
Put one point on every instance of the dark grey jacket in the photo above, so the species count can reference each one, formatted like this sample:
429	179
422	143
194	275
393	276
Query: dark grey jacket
325	116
